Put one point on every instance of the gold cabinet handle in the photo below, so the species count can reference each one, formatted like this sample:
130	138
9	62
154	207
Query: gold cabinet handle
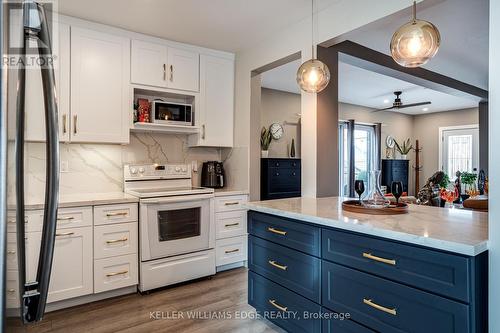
277	306
11	290
203	132
75	120
164	72
275	264
232	251
111	241
116	273
66	234
64	126
116	214
171	73
379	259
379	307
276	231
65	218
11	252
232	224
232	203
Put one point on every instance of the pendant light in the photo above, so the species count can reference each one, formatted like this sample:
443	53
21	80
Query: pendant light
416	42
313	75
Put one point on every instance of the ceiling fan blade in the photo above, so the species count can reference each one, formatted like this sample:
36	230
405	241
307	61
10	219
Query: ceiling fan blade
414	104
386	109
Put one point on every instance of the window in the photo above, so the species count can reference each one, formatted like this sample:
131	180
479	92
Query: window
364	155
459	149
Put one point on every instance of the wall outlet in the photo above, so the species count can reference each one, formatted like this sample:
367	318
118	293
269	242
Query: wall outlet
64	166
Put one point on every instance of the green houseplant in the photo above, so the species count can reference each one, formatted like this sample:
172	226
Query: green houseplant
445	181
265	141
404	148
468	179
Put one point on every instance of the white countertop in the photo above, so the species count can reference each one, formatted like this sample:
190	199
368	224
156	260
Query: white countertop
225	192
454	230
84	199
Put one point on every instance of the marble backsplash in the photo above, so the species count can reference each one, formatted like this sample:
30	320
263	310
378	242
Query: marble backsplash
98	168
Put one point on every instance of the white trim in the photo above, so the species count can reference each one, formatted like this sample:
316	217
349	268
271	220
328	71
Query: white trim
440	139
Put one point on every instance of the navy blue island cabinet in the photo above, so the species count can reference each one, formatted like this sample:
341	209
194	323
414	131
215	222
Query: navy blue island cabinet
309	278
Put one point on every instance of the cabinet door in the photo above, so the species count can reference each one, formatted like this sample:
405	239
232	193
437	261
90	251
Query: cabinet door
217	101
100	92
149	64
34	102
183	70
72	274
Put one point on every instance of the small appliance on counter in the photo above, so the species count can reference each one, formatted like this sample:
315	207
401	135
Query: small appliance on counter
212	174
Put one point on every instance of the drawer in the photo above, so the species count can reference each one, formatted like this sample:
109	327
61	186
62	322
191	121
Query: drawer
115	240
435	271
335	325
298	236
116	272
12	290
11	251
231	250
230	224
109	214
283	163
390	307
294	270
282	306
234	202
74	217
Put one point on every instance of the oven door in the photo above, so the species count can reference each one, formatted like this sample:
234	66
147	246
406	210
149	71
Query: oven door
176	225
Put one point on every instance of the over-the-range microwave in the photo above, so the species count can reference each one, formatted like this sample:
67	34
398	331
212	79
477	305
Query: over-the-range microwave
171	113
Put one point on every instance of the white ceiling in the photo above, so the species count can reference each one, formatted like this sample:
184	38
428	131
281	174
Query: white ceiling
229	25
464	28
362	87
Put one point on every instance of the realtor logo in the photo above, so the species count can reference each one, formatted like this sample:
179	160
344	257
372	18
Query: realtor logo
19	24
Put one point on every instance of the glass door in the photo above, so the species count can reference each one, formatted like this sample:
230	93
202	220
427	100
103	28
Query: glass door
460	150
179	223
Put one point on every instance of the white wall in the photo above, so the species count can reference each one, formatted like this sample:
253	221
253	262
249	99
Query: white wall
340	17
494	168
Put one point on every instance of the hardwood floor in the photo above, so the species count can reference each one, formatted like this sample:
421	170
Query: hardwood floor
161	311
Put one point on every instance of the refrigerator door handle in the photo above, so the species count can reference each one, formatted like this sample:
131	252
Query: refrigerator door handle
34	295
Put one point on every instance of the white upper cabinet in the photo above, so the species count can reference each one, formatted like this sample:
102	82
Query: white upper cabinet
216	111
100	92
149	64
161	66
183	70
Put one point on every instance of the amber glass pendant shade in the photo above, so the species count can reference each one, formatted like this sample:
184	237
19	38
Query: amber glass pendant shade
313	76
415	43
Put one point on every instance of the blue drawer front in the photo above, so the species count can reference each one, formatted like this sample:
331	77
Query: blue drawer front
350	291
333	324
294	270
441	273
290	233
262	292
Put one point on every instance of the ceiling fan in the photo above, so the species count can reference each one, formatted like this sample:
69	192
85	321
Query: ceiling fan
398	104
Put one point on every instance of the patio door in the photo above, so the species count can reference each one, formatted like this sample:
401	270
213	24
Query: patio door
459	149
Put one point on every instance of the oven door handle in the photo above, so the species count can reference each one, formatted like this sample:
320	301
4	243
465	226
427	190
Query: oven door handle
173	199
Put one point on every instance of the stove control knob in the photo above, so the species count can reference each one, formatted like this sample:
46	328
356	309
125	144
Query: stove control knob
141	170
177	169
133	171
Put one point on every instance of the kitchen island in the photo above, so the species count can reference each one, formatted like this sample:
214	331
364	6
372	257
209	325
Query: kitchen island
315	268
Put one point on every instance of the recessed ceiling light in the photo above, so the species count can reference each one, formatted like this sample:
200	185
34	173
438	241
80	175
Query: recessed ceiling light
425	109
386	101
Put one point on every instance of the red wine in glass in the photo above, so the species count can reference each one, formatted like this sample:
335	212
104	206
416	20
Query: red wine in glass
397	190
359	187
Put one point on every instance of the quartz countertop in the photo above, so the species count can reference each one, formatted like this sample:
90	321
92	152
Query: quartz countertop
454	230
84	199
225	192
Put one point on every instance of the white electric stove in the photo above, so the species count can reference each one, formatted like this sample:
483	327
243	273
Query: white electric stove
176	224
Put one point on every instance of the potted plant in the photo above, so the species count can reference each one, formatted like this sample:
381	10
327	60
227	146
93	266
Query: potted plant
443	185
468	179
265	140
404	148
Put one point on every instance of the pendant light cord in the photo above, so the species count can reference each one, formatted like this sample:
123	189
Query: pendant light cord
312	29
414	11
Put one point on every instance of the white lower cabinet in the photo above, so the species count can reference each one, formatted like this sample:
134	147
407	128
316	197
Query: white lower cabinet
116	272
231	250
115	240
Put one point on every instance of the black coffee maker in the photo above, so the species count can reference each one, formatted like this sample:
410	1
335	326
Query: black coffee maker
212	174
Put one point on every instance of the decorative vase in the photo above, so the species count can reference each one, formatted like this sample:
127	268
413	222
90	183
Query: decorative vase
404	156
264	153
375	198
292	148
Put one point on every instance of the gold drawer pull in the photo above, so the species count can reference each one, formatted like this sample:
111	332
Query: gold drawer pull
11	290
379	259
276	231
232	224
277	306
379	307
66	234
111	241
65	218
116	273
117	214
231	251
273	263
232	203
11	252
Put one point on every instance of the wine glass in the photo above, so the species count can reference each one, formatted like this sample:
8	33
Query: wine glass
359	187
397	190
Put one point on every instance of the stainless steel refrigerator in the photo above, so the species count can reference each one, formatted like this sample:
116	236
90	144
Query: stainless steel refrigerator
30	295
